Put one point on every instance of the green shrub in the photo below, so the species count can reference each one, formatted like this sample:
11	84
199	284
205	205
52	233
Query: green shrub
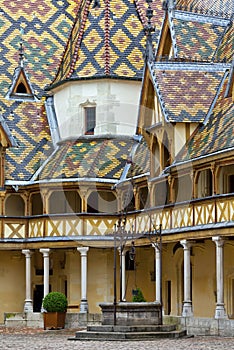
55	302
138	296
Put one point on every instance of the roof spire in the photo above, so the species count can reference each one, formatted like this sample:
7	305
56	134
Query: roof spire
148	30
21	55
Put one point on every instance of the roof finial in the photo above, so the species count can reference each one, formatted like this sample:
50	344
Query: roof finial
148	30
96	4
21	55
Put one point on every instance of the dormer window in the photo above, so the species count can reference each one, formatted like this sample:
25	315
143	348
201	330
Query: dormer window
21	89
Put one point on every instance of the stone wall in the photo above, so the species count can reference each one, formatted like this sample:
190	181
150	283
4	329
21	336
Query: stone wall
203	326
35	320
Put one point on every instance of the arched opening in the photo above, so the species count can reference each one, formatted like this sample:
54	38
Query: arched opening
165	152
183	188
226	179
102	202
14	205
128	203
155	159
144	197
161	193
204	183
64	202
36	204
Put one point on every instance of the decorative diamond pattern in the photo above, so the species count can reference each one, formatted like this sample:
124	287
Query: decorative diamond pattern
109	40
197	40
42	27
189	93
217	135
96	159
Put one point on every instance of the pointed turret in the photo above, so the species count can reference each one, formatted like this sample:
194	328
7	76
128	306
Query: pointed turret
107	40
97	86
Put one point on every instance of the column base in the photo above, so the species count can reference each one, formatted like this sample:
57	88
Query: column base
28	305
220	311
84	308
187	309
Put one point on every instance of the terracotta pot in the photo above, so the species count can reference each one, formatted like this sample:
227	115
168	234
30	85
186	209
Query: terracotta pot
54	320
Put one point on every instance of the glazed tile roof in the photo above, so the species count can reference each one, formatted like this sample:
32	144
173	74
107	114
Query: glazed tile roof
42	27
93	158
197	40
217	135
140	160
187	91
199	27
108	40
30	129
222	8
226	47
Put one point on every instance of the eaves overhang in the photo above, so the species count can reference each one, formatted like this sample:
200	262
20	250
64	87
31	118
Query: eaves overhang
100	77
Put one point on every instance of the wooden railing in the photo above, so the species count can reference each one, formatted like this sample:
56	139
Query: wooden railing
205	211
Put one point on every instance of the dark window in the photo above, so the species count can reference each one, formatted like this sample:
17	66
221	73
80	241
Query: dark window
231	183
21	89
90	120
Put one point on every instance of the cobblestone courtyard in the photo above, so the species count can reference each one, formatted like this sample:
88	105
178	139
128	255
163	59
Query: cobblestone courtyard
39	339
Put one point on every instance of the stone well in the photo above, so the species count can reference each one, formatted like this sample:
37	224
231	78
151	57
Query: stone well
132	313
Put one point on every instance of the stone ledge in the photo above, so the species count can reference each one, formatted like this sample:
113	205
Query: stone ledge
147	313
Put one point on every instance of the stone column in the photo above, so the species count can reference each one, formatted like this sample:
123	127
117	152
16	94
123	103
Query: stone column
122	254
220	308
187	303
84	303
46	253
28	304
158	287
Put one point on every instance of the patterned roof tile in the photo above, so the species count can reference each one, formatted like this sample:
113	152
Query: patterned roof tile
197	40
42	27
108	40
222	8
186	92
101	158
226	48
216	135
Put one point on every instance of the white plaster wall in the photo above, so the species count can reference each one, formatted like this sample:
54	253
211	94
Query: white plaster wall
116	102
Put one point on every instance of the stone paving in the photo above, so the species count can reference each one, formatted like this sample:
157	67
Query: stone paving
20	339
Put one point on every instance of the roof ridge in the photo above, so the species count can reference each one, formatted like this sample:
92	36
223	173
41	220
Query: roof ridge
79	21
96	40
107	37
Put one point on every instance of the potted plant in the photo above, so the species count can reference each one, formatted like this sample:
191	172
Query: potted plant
54	310
137	296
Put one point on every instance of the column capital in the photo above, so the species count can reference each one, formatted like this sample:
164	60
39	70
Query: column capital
84	191
45	251
83	250
156	246
219	241
186	244
27	252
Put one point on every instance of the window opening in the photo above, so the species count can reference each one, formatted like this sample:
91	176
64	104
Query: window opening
90	120
21	89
